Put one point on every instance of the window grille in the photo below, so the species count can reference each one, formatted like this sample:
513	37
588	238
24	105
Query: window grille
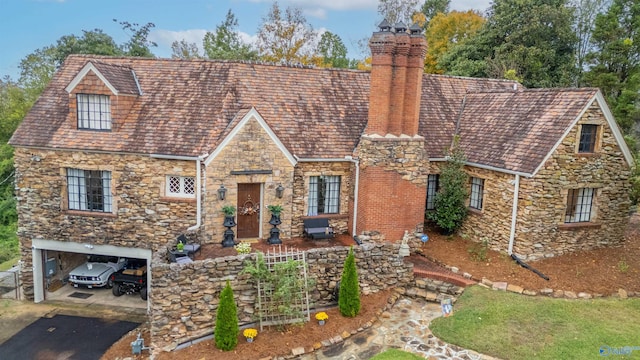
89	190
94	112
433	185
579	205
324	195
181	186
477	188
588	134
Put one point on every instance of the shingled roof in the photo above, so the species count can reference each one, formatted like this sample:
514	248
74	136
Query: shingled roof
186	107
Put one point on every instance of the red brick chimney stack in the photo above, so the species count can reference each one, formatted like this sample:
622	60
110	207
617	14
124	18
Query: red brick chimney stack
398	80
382	45
413	88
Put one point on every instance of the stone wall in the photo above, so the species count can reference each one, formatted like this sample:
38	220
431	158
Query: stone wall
540	228
393	185
141	215
184	298
251	149
543	198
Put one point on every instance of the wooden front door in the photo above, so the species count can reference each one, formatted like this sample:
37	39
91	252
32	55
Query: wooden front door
248	211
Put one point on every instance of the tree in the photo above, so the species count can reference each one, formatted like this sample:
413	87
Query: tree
285	37
225	43
431	8
184	50
94	42
583	25
615	60
446	30
532	37
398	10
139	44
349	298
332	50
450	201
227	330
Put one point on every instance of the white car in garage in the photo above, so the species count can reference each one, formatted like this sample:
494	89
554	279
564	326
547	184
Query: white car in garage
96	272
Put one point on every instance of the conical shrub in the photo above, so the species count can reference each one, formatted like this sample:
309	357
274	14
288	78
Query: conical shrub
349	299
227	330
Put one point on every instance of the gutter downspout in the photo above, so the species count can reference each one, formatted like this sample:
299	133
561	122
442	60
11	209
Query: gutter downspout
514	213
355	194
198	193
198	160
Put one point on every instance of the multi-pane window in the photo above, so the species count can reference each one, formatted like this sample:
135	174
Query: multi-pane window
181	186
579	205
324	195
433	184
588	136
477	188
89	190
94	112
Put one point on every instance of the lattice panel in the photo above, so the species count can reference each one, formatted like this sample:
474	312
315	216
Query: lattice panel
270	308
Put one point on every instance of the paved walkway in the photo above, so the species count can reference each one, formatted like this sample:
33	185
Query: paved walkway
403	327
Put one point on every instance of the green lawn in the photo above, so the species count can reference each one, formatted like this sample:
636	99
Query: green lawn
512	326
9	263
393	354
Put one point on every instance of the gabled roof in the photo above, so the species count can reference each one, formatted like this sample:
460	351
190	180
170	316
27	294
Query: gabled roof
119	79
189	107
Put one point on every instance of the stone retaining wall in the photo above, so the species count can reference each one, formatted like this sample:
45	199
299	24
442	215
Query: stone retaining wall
184	298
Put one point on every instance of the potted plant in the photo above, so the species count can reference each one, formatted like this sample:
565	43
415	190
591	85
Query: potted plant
180	246
229	221
274	233
250	334
322	317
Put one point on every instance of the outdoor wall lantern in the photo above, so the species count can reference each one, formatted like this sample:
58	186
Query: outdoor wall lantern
222	192
279	191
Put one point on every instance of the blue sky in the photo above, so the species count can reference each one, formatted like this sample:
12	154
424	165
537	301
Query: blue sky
27	25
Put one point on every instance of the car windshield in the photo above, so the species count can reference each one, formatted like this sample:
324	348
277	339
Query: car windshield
135	263
103	259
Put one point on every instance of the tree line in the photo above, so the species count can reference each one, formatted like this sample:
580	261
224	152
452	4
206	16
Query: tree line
540	43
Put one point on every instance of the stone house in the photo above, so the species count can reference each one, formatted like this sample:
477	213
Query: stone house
119	156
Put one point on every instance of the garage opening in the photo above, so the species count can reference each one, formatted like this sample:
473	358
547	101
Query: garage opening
91	274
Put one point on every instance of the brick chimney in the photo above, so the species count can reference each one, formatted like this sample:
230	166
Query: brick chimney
393	169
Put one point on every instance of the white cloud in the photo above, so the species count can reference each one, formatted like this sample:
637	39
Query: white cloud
331	5
316	13
167	37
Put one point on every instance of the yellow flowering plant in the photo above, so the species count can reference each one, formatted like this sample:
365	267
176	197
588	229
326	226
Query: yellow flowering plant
250	333
322	316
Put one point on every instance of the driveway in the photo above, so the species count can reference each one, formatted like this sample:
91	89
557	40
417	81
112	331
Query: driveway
62	331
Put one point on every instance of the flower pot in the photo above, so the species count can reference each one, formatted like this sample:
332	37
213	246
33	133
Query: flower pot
321	322
249	339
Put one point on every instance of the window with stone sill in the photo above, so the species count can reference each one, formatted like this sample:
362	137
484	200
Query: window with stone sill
94	112
324	195
181	186
89	190
579	205
587	142
477	190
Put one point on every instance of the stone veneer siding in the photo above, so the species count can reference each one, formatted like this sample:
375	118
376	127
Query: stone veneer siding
339	222
543	198
250	149
141	217
540	228
393	185
184	298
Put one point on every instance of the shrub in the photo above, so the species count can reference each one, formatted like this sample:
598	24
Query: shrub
349	299
450	202
227	330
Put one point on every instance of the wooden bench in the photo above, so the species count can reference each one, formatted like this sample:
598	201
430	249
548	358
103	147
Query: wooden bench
317	228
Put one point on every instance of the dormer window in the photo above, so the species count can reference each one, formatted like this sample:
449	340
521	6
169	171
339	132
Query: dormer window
94	112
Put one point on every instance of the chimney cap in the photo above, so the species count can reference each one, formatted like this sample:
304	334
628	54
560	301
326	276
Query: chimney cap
384	25
400	27
415	29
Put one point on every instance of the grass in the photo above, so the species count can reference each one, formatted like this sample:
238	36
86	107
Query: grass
9	263
512	326
394	354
